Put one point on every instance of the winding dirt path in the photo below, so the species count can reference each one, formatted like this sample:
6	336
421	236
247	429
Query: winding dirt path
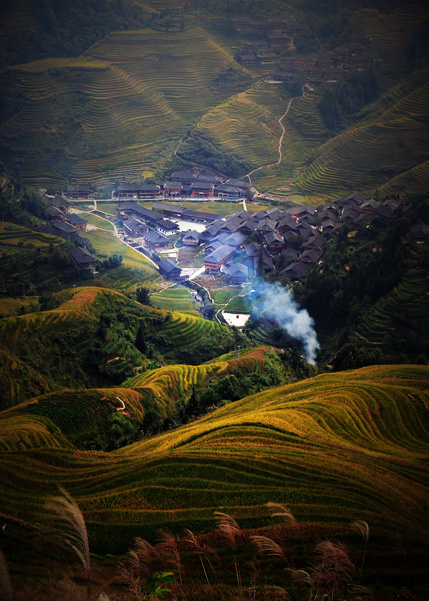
281	137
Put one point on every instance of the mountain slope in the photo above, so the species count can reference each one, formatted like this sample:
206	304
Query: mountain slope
333	448
93	338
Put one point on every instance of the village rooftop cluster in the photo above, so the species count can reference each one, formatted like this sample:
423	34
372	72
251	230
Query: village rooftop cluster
245	244
239	247
273	38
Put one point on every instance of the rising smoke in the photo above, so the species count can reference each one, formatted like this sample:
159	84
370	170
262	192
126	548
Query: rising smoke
277	304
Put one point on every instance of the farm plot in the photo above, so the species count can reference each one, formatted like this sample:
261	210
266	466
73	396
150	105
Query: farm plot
177	299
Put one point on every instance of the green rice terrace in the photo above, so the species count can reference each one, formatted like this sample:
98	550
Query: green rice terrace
93	337
171	96
334	448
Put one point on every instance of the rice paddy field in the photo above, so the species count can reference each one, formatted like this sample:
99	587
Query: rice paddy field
43	352
177	298
151	86
373	149
135	268
97	221
334	448
12	235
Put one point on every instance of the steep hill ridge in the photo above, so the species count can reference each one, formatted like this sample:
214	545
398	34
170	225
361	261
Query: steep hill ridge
90	338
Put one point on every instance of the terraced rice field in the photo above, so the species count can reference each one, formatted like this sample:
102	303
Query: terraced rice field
391	33
105	243
366	155
12	305
407	304
14	235
185	330
178	298
335	448
152	86
175	382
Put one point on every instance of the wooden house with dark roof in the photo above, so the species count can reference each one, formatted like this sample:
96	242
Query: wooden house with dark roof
295	271
228	191
267	58
77	221
64	227
266	225
370	206
155	240
54	212
199	216
169	270
72	236
134	209
59	202
214	261
172	189
384	213
166	227
349	215
238	183
264	263
232	225
246	59
201	188
274	242
183	176
238	274
168	210
279	40
236	239
328	225
312	256
82	258
78	191
287	224
134	228
137	190
191	238
420	231
316	241
211	231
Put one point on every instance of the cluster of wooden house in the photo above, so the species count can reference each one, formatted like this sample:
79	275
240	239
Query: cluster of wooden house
186	184
246	244
68	226
274	37
328	67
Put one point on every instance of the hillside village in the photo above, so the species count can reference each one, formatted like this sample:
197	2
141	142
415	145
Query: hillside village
273	39
287	242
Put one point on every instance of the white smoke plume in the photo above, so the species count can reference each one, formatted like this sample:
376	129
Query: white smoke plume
277	304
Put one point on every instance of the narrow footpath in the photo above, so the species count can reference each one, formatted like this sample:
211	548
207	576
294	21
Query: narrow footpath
281	137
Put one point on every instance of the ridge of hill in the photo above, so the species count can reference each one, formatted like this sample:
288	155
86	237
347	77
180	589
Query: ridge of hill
150	402
94	337
333	448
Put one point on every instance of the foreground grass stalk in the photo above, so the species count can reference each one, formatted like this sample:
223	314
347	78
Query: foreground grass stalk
5	585
70	529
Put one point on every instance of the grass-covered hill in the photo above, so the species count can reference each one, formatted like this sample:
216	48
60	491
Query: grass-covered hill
142	101
94	336
334	448
152	401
